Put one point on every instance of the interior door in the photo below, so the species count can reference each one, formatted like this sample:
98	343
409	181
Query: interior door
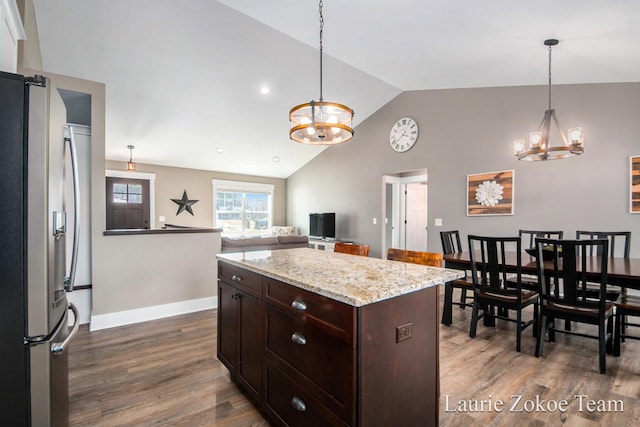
404	200
416	216
127	203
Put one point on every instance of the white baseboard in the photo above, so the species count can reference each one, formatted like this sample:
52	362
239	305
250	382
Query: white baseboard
82	300
121	318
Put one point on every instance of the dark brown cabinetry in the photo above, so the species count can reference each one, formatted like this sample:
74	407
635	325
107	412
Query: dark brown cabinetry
327	363
240	327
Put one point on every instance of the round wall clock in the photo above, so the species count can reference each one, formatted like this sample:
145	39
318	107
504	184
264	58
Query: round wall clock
404	133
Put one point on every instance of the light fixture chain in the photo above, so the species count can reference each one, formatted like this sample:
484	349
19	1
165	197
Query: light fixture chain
321	31
549	77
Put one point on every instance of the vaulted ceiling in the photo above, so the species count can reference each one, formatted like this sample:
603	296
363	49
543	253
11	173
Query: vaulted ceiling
183	78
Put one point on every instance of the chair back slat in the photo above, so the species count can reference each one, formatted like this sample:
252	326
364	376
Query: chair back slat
619	242
491	268
450	242
432	259
571	262
350	248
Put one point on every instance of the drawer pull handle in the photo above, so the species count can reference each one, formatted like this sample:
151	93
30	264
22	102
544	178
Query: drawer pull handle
236	279
299	305
298	404
298	338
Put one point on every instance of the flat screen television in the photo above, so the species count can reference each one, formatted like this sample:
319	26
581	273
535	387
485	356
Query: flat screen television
322	225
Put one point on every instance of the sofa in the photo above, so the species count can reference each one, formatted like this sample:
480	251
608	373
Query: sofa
244	244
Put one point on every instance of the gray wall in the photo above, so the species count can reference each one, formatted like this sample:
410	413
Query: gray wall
465	131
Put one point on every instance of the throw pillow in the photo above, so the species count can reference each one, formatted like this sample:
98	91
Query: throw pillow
283	230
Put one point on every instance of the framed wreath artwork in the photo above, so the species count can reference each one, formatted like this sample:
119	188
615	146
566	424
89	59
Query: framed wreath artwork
634	184
490	193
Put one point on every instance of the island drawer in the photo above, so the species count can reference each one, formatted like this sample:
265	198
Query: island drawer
242	279
291	405
325	361
334	317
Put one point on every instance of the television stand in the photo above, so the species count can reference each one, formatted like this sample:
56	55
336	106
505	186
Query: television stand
324	244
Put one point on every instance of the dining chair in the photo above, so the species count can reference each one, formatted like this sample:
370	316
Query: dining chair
489	272
350	248
530	236
569	300
529	241
432	259
451	244
619	242
629	305
619	246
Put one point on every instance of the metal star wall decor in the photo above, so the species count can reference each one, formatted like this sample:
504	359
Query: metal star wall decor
184	203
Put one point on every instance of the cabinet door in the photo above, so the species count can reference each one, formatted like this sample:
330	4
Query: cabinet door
251	344
228	326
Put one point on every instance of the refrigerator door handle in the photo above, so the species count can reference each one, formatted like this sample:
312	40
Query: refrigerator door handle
69	281
59	347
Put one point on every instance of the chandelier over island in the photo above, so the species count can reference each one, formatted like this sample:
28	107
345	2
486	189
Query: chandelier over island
321	123
540	147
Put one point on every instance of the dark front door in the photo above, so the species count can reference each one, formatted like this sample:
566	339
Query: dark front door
127	203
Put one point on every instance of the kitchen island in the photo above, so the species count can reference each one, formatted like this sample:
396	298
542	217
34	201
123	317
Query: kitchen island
322	338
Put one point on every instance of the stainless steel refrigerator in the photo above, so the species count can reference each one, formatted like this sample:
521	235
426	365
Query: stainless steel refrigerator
36	157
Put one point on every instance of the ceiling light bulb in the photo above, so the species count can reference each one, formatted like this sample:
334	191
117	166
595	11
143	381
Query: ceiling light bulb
576	136
276	159
535	138
518	146
311	130
264	90
219	150
335	130
333	120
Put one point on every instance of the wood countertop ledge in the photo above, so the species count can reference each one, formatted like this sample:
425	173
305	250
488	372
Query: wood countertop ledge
351	279
178	230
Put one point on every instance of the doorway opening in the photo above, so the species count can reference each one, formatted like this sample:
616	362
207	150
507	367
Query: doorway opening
405	203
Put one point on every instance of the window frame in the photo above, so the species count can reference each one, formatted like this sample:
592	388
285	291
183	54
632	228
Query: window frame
243	187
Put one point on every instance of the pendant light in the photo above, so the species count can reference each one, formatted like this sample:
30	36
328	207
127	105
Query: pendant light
540	147
131	166
321	123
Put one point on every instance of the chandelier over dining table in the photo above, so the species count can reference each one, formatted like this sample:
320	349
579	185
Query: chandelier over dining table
540	147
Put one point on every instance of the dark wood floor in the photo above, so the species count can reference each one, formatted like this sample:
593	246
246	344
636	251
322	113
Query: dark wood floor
165	372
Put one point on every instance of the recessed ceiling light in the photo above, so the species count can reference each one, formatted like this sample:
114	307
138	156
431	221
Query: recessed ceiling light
264	90
276	159
219	150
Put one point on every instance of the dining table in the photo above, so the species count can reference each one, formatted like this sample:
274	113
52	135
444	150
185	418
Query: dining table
624	272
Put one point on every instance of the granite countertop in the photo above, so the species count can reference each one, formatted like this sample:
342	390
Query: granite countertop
352	279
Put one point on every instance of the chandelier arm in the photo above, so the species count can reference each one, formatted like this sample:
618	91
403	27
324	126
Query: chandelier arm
545	126
562	134
543	120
